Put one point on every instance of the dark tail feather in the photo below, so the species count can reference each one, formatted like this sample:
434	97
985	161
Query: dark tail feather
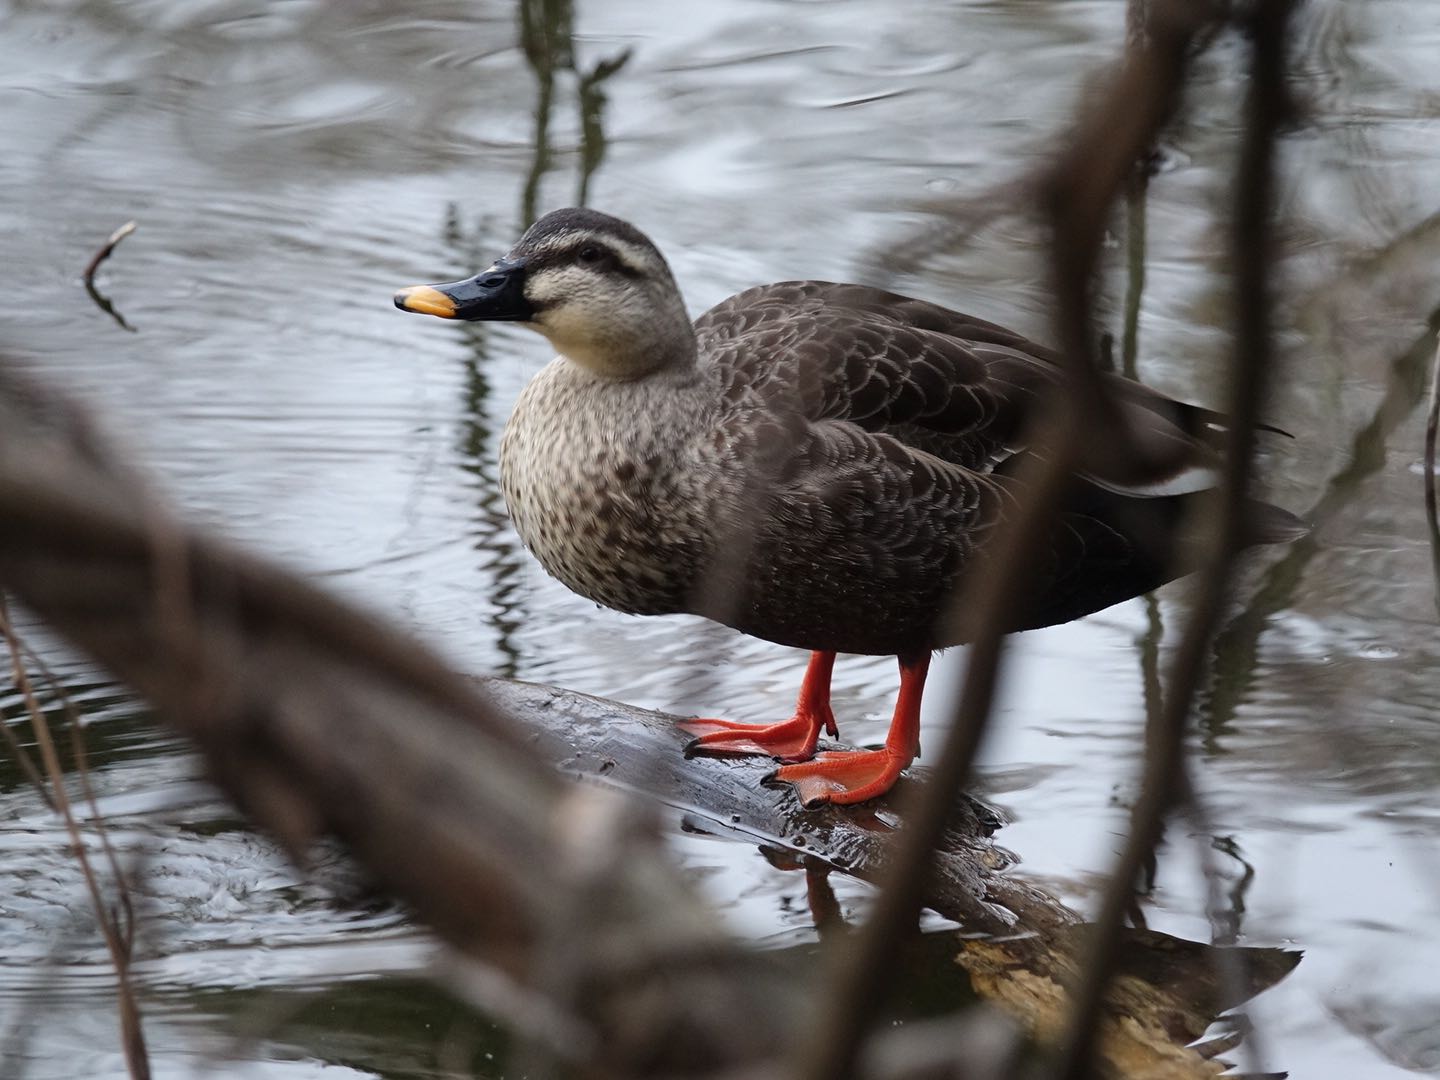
1111	547
1266	524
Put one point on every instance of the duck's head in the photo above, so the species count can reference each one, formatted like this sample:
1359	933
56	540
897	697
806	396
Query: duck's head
593	284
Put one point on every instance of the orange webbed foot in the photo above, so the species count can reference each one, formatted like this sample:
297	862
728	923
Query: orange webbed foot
843	776
790	740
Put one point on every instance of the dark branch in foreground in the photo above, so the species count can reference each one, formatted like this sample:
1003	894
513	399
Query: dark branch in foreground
317	720
1078	193
1165	781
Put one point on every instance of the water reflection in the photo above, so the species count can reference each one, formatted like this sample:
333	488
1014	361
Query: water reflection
1237	647
547	36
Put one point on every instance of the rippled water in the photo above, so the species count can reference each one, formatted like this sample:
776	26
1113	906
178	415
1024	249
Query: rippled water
290	164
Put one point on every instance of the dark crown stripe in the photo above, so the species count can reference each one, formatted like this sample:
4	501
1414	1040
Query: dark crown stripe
589	223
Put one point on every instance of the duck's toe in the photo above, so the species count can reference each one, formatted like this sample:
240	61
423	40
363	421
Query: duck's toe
790	740
843	776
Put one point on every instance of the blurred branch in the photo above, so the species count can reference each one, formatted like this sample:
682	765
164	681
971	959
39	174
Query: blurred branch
317	719
1236	647
1252	247
1077	193
569	923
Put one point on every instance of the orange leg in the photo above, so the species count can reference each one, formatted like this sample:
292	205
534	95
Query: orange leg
851	776
791	740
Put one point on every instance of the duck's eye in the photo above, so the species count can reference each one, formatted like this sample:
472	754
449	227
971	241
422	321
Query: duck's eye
590	254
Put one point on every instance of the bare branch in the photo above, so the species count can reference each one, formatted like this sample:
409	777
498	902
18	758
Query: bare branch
88	276
117	928
1079	191
299	702
1252	257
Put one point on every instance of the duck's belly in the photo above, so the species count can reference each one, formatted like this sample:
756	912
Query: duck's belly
836	596
608	513
625	498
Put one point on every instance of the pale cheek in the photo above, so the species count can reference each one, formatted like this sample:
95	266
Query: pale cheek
566	325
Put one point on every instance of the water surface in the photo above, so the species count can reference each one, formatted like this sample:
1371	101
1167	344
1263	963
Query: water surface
291	164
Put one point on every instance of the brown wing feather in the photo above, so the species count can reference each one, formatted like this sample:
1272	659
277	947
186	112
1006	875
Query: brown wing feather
871	425
952	385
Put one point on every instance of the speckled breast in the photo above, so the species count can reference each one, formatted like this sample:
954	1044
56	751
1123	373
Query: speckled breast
596	483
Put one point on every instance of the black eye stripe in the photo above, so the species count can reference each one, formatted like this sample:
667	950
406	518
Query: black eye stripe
608	262
622	268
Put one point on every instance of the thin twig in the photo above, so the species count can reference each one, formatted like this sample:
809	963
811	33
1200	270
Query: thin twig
102	301
1252	243
18	752
126	917
104	253
118	939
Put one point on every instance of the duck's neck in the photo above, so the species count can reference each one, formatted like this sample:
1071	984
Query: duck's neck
630	348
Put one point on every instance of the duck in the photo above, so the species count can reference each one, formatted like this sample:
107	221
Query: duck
813	463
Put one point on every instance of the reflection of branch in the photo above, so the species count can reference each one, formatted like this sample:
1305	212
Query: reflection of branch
592	130
1252	243
88	277
1431	421
1166	995
1236	647
1225	922
547	35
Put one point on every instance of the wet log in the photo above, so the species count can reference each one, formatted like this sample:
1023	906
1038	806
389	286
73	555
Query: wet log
641	751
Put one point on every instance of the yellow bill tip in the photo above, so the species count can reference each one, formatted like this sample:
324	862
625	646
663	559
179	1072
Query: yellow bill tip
425	300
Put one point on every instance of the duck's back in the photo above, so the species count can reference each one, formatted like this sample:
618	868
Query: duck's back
867	424
880	435
945	382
